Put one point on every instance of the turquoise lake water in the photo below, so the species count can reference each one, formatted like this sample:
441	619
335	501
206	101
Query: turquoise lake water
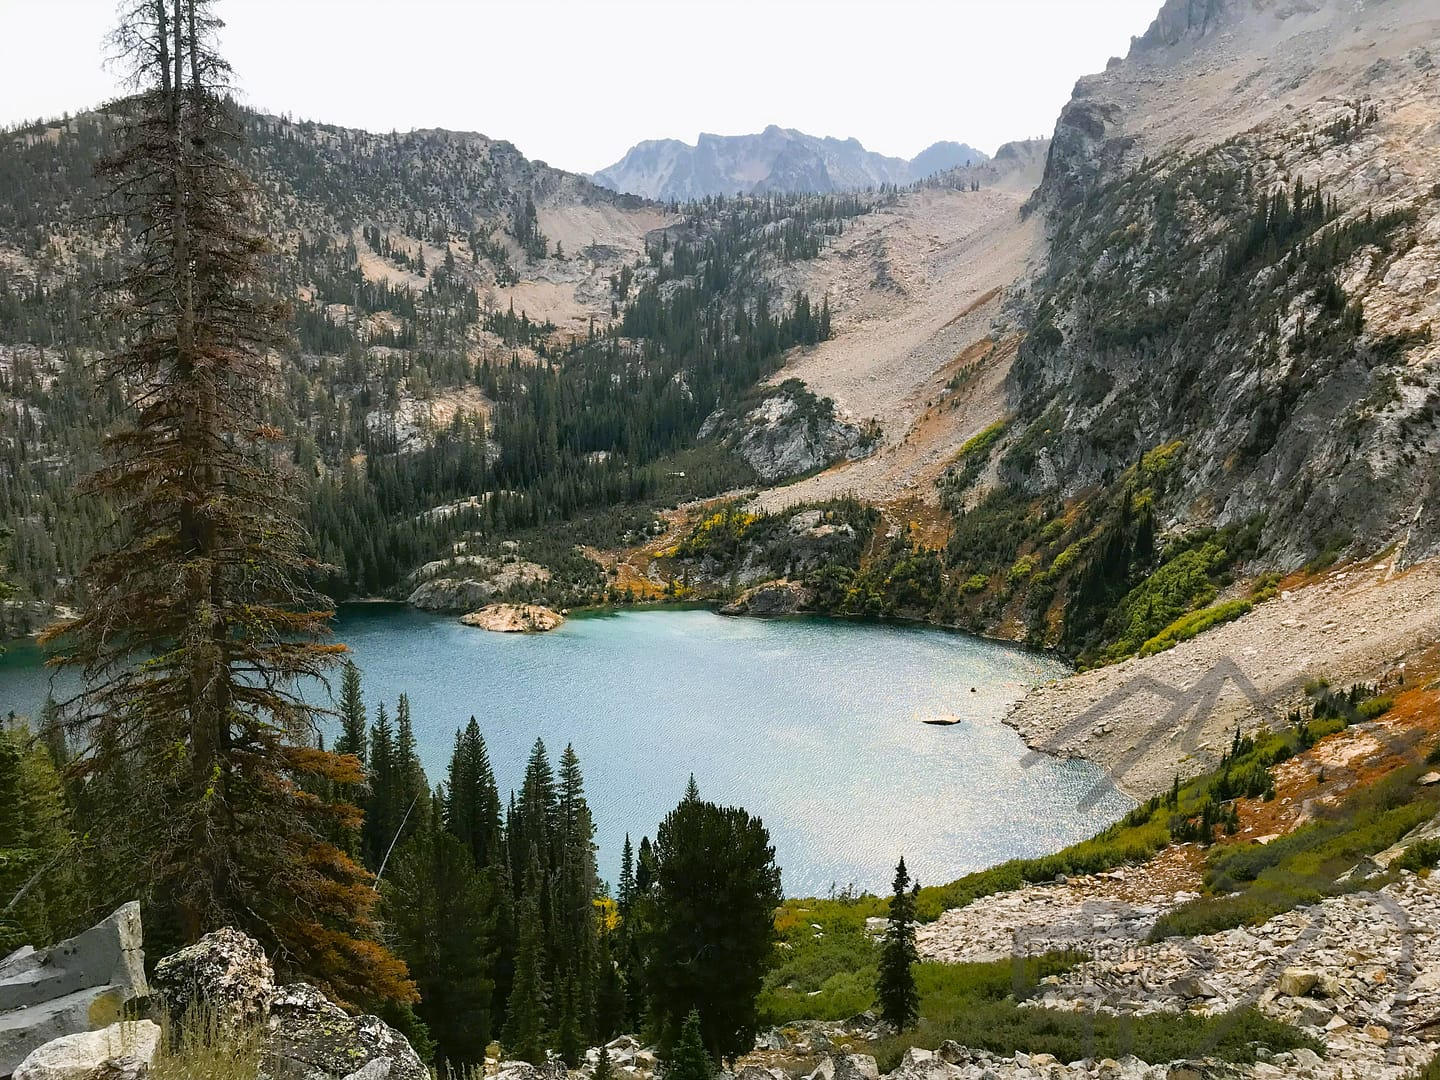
814	725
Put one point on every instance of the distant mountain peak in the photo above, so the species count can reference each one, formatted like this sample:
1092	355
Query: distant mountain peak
775	159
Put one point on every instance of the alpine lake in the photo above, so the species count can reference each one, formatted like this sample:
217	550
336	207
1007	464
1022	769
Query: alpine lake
856	742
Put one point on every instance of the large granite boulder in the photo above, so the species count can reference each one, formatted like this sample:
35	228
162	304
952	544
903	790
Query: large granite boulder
80	985
225	976
310	1038
121	1051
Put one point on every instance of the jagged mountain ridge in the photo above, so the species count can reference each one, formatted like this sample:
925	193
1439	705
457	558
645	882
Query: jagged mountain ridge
777	159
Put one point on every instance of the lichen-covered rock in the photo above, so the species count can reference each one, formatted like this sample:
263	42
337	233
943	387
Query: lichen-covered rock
119	1052
856	1067
225	972
309	1038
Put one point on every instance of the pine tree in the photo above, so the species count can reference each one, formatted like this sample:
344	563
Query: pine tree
381	814
506	934
645	868
206	580
529	1001
689	1060
532	820
441	913
568	1037
412	786
353	720
713	911
895	980
472	801
626	890
576	886
611	1005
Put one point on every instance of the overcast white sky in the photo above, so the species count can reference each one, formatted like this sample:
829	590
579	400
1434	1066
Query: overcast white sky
577	82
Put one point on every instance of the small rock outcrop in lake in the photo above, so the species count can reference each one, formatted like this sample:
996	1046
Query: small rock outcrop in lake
514	618
772	598
80	984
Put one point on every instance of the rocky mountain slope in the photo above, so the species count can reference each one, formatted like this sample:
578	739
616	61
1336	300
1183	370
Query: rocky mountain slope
1245	252
776	159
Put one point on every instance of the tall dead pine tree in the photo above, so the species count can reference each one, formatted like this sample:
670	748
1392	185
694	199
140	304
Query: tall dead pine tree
199	627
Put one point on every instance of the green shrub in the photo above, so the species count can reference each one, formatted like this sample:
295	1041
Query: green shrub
1196	622
1002	1027
1431	1071
975	583
1422	855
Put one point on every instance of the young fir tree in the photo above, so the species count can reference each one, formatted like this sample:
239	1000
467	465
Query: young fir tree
626	888
382	814
528	1009
205	580
576	885
689	1060
568	1036
412	786
645	868
604	1070
895	980
611	1006
532	820
502	967
472	801
353	720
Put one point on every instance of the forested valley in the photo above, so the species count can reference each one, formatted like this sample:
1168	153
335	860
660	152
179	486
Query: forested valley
421	417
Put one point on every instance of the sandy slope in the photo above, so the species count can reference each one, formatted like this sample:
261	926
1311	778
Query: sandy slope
917	290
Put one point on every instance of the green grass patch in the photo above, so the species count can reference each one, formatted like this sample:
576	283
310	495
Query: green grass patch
978	1006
